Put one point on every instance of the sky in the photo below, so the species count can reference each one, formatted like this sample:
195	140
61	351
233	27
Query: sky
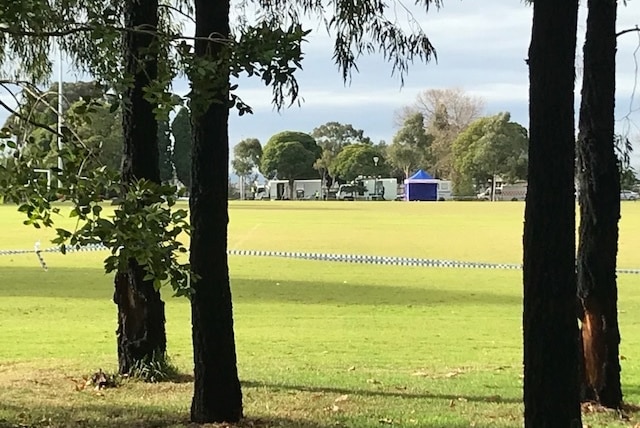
481	48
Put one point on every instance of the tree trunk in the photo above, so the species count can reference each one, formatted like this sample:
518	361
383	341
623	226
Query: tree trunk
141	332
217	396
551	393
599	210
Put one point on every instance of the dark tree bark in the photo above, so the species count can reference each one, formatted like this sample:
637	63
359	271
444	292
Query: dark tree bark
217	395
551	393
599	179
141	321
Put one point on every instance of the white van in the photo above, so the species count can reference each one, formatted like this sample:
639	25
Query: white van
512	192
507	192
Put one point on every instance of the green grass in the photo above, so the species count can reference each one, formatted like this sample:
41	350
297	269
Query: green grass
409	346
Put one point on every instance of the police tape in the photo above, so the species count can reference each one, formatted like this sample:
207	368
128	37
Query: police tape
330	257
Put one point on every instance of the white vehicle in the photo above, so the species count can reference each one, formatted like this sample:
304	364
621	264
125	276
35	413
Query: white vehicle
506	192
262	192
444	190
280	189
274	189
347	192
307	189
513	192
629	195
485	195
379	188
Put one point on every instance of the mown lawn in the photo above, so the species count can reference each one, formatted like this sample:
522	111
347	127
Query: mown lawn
320	344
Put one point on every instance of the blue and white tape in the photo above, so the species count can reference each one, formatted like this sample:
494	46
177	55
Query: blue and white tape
331	257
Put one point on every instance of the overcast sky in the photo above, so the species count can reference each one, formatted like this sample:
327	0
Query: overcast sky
481	48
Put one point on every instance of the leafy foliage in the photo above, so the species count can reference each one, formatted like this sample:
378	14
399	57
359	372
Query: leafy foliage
165	152
447	112
624	148
247	154
38	109
98	128
155	368
182	142
357	159
145	213
490	146
290	161
333	136
411	146
91	116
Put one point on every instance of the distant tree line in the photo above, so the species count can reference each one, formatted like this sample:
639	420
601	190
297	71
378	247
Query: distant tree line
94	118
443	132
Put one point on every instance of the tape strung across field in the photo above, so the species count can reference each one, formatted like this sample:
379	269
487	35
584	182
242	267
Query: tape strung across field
345	258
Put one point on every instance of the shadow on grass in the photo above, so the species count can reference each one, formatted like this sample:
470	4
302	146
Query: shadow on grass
84	283
371	393
92	283
111	416
334	293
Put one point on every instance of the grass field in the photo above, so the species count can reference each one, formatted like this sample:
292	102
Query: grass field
320	344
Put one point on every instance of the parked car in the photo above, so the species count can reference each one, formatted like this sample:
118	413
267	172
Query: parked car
629	195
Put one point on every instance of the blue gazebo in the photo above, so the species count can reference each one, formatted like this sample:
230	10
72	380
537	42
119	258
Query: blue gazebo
421	187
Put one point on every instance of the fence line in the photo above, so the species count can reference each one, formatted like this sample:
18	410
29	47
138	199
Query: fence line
344	258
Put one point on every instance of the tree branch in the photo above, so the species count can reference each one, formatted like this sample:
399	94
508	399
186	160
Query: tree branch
628	30
15	98
32	90
178	11
27	119
213	37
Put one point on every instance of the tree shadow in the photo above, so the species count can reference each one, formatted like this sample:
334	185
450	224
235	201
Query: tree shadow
92	283
335	293
495	399
178	378
83	283
104	415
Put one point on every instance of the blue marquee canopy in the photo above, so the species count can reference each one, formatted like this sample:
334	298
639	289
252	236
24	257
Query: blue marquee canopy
421	186
420	175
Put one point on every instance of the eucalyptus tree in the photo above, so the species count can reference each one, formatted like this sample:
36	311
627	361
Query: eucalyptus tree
217	55
357	29
333	137
491	146
141	333
165	152
447	112
411	147
599	185
119	44
246	160
551	396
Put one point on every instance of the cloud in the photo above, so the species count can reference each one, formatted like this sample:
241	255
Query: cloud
481	48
